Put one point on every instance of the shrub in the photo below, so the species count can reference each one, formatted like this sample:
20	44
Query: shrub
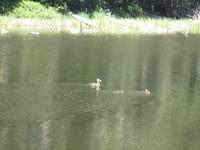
28	9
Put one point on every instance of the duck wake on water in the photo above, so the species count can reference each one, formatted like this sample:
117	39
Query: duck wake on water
97	86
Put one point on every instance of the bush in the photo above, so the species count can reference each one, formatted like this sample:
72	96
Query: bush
28	9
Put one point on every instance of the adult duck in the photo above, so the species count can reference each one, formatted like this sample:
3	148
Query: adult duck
97	84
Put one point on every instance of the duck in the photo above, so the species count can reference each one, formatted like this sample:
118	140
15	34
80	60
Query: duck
119	92
97	84
146	92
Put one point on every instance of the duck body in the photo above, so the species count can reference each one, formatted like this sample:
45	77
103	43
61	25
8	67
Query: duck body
96	85
146	92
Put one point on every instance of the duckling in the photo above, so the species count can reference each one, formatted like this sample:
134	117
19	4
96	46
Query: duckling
119	92
96	84
146	92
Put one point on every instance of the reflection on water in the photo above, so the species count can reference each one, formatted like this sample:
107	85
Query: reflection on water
47	103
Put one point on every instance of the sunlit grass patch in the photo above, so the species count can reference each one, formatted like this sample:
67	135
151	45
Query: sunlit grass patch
107	24
54	24
194	26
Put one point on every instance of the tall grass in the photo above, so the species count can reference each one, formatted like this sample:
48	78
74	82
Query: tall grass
139	25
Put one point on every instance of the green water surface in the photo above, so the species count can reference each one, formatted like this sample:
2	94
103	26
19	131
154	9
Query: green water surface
46	102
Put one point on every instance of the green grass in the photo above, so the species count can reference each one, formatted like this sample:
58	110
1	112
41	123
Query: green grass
113	25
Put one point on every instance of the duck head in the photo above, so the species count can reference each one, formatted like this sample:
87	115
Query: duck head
99	81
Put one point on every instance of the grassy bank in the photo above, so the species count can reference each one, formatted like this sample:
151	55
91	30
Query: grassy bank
106	25
34	15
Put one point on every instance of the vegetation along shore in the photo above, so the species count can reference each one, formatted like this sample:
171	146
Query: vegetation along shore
132	18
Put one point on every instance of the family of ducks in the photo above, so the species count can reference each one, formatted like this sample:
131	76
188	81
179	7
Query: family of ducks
97	86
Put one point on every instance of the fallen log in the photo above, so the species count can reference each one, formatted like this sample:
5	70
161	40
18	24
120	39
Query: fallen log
81	19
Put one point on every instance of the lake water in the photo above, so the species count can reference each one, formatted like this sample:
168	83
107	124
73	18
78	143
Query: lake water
46	102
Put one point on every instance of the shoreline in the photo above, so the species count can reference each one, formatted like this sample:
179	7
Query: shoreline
107	25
